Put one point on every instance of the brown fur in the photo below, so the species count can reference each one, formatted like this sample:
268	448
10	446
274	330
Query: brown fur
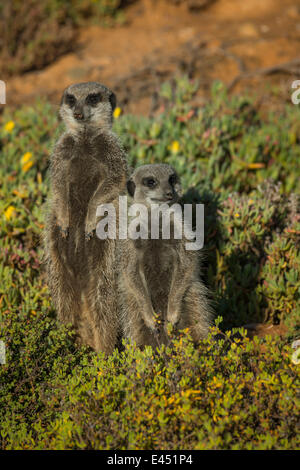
160	276
88	167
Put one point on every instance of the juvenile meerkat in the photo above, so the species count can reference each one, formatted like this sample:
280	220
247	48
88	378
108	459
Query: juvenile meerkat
87	168
159	276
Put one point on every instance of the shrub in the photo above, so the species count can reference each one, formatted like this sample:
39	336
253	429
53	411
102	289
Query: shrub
233	393
35	33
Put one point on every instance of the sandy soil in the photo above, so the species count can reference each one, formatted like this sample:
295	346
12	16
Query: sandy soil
231	40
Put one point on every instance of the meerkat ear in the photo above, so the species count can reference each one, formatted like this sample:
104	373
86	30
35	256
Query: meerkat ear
130	187
113	101
178	188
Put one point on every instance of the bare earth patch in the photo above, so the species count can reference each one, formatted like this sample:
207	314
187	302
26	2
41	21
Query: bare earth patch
252	45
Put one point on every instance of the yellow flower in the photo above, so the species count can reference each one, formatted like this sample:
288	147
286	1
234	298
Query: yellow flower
27	156
174	147
9	126
27	166
117	112
236	215
26	161
9	212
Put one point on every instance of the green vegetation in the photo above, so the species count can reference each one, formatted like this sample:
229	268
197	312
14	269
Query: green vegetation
229	392
34	33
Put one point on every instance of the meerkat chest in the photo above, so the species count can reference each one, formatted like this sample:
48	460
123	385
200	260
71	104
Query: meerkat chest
85	175
158	268
158	257
83	167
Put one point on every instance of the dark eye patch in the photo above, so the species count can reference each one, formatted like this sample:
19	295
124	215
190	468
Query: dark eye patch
70	100
93	99
150	182
173	179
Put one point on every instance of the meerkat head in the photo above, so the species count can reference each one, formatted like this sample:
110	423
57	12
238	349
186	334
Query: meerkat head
87	104
154	184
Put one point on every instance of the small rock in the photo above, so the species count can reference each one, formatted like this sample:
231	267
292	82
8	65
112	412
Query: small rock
249	30
296	357
296	344
264	28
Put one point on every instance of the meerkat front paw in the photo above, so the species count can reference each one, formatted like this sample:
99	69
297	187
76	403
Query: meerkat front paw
90	230
63	229
90	235
64	232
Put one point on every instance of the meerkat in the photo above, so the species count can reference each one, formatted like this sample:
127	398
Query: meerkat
159	278
87	168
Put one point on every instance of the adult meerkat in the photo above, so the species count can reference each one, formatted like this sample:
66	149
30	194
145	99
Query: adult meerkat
87	168
159	276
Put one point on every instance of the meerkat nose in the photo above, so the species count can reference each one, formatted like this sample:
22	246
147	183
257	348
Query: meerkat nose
78	116
169	194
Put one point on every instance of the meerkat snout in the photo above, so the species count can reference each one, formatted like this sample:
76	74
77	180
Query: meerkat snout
169	194
79	116
87	104
154	184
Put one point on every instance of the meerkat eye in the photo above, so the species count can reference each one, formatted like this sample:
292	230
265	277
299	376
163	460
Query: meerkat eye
93	99
173	179
70	100
150	182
